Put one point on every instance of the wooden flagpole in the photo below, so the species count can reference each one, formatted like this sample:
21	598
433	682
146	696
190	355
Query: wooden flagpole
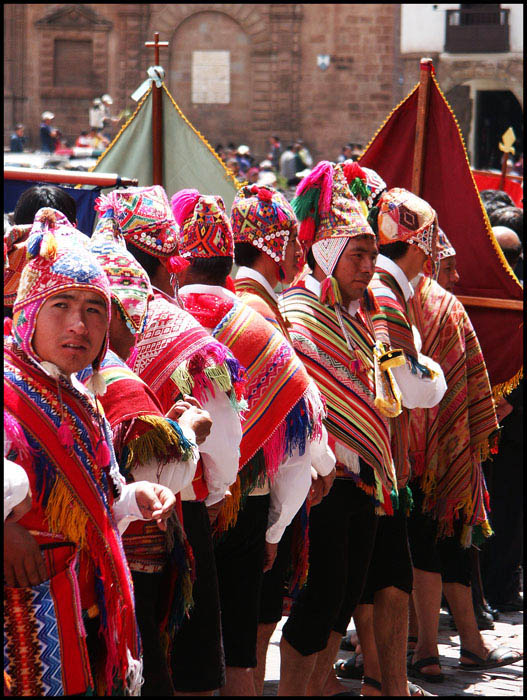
157	117
420	125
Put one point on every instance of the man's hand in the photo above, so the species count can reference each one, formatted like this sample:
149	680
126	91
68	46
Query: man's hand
155	502
316	492
23	562
270	555
189	412
214	510
20	509
328	482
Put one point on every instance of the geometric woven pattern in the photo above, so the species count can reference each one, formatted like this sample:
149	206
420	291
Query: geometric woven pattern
405	217
207	232
144	218
445	249
263	217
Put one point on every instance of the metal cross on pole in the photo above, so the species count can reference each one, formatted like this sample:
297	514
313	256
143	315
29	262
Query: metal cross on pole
157	117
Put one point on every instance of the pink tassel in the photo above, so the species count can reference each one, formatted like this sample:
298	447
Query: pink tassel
282	216
65	435
321	176
102	454
330	292
183	203
102	203
176	263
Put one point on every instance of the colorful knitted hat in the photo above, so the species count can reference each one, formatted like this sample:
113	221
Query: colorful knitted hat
129	283
445	249
403	216
329	216
263	217
143	217
364	183
15	243
205	229
57	262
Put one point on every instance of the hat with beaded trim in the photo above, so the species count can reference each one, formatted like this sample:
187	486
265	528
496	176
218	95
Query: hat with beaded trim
129	283
205	229
403	216
143	217
329	215
445	249
263	217
57	262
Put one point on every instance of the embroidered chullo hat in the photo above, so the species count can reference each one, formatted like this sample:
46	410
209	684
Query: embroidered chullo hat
263	217
58	260
129	283
329	215
403	216
143	217
205	229
445	249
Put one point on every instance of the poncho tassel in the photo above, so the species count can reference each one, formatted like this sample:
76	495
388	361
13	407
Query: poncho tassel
165	441
65	436
330	292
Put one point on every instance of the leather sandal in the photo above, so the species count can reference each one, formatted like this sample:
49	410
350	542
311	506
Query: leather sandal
349	668
500	656
414	670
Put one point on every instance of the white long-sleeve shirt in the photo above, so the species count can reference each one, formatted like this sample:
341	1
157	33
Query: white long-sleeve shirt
16	485
417	391
292	481
176	474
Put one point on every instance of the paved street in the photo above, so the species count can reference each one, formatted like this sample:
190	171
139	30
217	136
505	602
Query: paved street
503	681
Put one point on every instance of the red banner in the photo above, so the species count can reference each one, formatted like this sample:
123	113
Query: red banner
448	185
491	181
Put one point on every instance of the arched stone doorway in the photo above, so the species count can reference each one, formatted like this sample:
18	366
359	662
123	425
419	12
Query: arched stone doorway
210	76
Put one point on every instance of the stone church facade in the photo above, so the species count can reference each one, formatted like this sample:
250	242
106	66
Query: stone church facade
269	71
326	73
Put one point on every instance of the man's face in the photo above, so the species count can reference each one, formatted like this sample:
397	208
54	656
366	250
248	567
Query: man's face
70	329
293	258
121	339
356	266
448	276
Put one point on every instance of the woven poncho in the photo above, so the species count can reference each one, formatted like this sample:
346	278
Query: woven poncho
72	499
176	356
347	384
254	294
283	413
449	441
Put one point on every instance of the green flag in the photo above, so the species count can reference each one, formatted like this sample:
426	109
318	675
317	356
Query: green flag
188	159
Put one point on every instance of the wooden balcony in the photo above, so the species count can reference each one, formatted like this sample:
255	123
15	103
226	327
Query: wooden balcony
477	31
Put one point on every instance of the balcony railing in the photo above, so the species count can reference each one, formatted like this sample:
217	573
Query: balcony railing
477	31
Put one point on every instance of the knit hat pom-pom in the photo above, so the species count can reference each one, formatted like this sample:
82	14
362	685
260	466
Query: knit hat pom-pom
183	204
33	244
353	170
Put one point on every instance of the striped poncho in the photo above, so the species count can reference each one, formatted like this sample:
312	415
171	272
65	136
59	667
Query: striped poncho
71	515
449	441
347	385
255	295
283	413
176	356
392	326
